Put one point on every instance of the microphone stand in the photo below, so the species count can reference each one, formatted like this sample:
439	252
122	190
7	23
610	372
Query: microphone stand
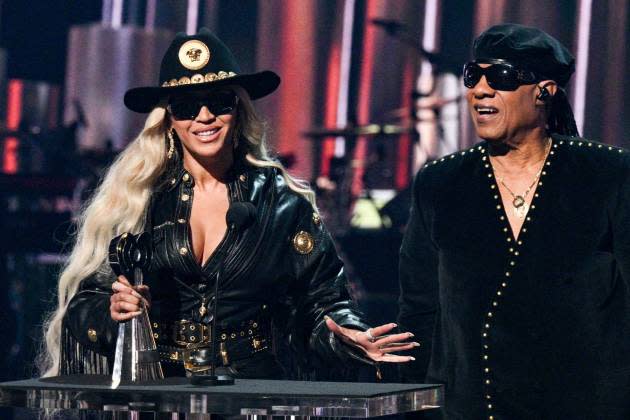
213	379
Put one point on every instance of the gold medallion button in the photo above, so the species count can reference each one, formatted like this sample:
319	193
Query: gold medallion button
303	242
92	335
197	78
193	54
183	80
186	177
185	197
183	251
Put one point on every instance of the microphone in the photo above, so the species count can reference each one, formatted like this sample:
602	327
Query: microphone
391	26
239	216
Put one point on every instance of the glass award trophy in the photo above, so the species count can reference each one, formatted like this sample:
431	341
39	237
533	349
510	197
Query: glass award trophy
136	358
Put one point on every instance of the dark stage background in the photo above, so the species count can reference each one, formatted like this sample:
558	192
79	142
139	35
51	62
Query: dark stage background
64	66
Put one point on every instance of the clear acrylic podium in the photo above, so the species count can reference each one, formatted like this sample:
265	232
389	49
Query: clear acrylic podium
176	399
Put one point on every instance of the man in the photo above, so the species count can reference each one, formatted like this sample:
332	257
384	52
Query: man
515	267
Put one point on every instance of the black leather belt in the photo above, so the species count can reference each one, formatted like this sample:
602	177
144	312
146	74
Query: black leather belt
190	342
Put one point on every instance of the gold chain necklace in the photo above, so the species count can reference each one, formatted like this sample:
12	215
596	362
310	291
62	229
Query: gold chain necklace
519	201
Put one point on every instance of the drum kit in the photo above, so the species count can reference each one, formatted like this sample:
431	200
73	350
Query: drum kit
336	199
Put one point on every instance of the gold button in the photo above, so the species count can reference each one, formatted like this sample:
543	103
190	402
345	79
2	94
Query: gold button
185	197
155	325
250	332
192	338
303	242
183	251
223	336
155	335
92	335
255	325
316	219
233	335
186	177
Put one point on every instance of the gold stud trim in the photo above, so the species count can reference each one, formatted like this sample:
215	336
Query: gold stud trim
198	78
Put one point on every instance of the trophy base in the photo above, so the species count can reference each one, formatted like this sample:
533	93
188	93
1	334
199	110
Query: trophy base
211	380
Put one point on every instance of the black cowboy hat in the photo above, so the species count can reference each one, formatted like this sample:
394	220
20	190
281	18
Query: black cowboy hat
199	62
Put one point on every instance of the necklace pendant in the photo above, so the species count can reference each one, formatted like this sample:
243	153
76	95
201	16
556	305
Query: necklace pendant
202	309
521	211
519	201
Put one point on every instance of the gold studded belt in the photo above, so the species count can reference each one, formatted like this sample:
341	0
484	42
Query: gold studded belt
185	333
185	341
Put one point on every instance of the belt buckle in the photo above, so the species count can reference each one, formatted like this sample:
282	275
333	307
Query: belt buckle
192	333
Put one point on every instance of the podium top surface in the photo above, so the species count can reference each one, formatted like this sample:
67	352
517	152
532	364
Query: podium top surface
246	396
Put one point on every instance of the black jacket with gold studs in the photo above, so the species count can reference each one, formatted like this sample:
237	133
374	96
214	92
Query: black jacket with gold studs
281	277
527	326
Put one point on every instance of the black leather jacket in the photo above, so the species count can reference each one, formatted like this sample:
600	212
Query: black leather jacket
283	269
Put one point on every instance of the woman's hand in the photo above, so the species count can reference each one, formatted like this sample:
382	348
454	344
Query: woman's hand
127	300
374	342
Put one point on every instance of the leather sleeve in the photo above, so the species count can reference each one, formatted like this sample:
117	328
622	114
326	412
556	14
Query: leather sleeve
87	317
324	285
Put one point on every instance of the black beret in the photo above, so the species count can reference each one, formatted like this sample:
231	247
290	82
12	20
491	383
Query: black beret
526	47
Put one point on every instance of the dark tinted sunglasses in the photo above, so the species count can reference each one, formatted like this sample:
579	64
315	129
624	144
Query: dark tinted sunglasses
500	76
218	103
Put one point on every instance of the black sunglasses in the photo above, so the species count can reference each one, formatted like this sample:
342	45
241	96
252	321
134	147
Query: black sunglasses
218	103
499	75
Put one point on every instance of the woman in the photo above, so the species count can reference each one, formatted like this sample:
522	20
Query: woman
202	149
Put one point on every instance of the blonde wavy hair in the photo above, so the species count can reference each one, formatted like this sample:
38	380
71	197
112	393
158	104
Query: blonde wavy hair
120	205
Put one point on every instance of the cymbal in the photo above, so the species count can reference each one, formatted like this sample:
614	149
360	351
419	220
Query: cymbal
368	130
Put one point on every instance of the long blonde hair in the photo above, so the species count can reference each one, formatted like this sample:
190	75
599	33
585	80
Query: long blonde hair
121	201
